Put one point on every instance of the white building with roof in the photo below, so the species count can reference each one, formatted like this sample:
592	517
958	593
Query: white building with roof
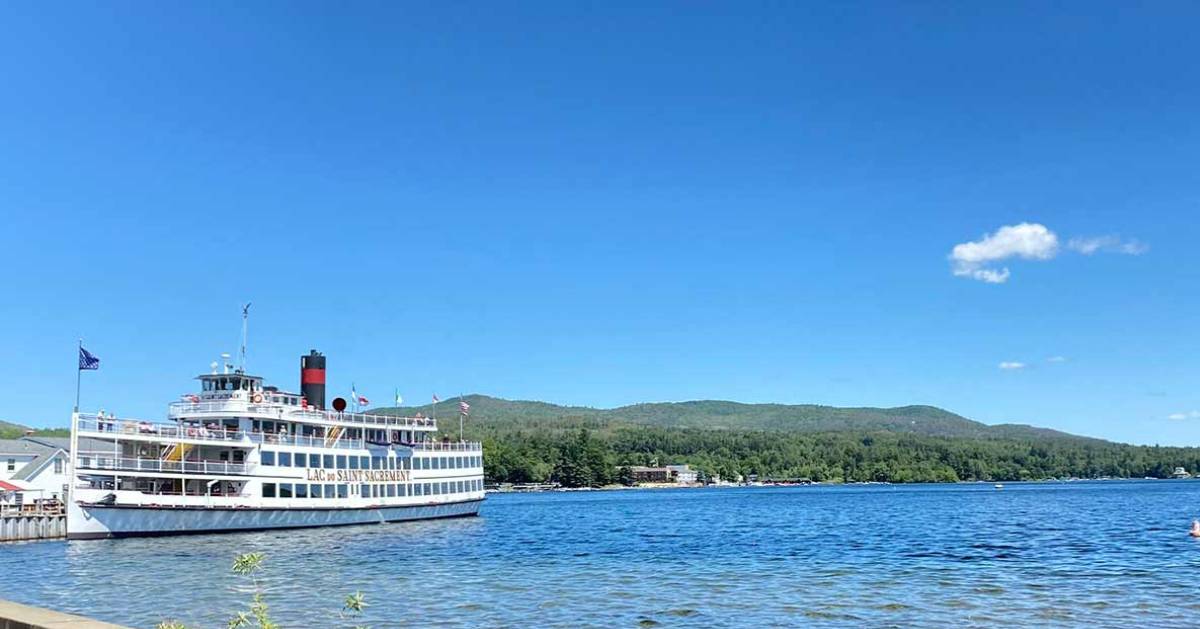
36	467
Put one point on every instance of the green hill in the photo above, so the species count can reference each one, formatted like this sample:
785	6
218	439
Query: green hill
577	446
10	430
489	412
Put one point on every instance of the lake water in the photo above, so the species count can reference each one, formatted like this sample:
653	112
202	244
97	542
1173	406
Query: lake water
1061	554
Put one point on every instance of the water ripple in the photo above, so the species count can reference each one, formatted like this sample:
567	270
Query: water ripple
1076	554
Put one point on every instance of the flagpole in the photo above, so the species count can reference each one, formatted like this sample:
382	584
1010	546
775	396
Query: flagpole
461	415
78	372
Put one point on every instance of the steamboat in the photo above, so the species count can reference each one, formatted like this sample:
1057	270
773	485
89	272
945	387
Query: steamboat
239	455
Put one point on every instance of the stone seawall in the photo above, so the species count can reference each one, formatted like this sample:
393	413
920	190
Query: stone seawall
17	616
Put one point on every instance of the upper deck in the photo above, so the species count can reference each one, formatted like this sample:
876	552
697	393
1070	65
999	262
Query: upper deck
245	406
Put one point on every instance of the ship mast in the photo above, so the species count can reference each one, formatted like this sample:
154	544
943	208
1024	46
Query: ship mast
245	318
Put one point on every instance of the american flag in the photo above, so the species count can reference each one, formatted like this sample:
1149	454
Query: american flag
464	408
87	361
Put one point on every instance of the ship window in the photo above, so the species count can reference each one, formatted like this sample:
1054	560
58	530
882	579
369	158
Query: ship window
376	462
391	489
301	459
301	490
437	463
391	462
268	490
341	461
403	490
343	491
328	461
268	457
404	464
329	491
285	459
445	488
245	385
365	462
364	491
285	490
353	462
416	489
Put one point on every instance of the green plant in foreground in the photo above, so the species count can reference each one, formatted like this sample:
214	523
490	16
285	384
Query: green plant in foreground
248	565
353	608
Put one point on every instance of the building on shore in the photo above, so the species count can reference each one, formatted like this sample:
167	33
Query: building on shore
683	474
680	474
33	469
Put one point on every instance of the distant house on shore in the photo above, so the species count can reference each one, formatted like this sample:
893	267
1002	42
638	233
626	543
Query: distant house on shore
681	474
33	468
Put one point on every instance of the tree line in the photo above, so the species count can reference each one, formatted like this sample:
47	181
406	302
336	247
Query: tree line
597	455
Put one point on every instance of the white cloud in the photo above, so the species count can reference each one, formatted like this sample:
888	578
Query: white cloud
1107	244
1057	359
1029	241
1011	365
1182	416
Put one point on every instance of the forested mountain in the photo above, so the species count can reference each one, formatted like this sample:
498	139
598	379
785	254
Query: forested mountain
536	442
720	415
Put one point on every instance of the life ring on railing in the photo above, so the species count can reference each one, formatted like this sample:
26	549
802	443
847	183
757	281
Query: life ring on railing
257	399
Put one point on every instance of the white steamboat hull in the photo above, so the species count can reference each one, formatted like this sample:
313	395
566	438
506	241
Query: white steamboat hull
98	522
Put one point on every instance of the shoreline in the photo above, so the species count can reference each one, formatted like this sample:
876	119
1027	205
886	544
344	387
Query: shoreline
668	486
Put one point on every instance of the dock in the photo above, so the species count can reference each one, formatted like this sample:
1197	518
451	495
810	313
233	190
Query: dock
17	616
18	525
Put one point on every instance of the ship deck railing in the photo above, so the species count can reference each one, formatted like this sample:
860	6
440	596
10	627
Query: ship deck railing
179	410
113	428
107	461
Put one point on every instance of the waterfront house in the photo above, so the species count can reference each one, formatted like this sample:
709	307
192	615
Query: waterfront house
681	474
643	474
35	467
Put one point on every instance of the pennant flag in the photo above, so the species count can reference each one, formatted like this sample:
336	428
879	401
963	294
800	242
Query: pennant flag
87	361
464	408
435	399
362	401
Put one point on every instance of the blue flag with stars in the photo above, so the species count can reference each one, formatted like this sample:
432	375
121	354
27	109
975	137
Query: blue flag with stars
87	361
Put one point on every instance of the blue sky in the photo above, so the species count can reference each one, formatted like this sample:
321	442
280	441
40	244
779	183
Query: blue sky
607	203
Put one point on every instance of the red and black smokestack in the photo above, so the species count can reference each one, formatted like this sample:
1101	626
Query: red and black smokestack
312	378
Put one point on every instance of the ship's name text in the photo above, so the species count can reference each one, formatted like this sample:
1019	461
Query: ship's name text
357	476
